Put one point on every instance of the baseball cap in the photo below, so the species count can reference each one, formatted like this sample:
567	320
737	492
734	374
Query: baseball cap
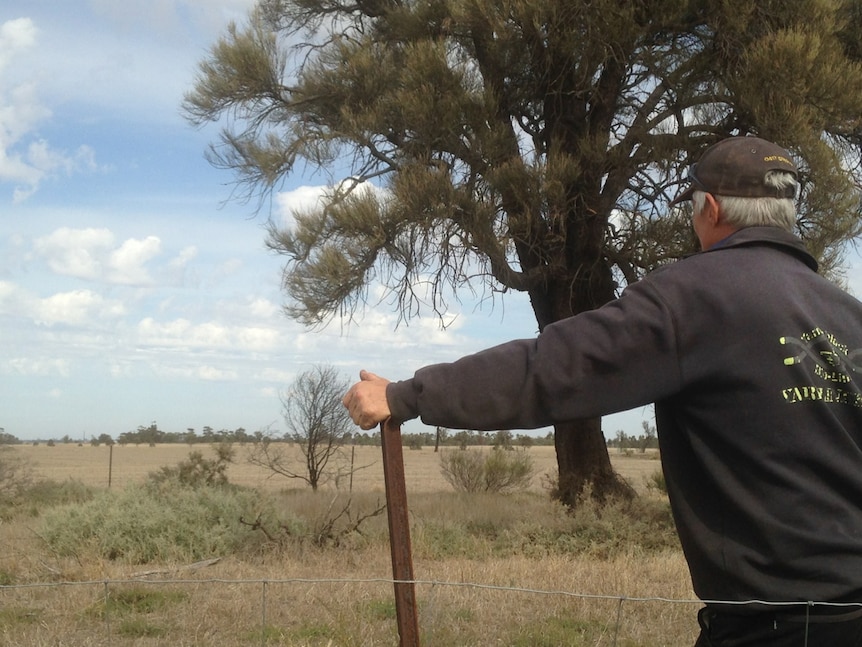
737	166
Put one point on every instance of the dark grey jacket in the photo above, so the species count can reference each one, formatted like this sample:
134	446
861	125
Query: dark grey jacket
754	363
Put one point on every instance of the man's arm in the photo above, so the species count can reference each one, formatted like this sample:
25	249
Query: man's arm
620	356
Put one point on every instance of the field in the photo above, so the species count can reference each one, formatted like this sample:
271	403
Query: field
487	576
131	464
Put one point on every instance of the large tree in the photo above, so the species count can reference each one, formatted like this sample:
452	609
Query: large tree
526	145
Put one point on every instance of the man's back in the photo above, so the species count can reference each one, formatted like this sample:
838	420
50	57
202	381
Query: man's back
762	443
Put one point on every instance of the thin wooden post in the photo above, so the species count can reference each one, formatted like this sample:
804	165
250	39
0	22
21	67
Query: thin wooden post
399	534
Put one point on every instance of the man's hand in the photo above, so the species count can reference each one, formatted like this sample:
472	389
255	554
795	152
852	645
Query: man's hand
366	400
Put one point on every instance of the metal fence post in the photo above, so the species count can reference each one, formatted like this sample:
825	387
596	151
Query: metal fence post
399	534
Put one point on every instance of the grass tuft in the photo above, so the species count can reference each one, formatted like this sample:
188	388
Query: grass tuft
381	609
555	630
141	628
11	617
135	600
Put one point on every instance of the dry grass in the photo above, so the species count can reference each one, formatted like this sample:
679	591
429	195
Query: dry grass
131	464
477	595
354	609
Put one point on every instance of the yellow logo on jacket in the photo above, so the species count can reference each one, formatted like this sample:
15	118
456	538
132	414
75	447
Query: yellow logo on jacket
831	361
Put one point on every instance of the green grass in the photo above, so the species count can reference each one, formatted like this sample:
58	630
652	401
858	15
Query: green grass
135	600
11	617
269	635
554	631
141	628
310	632
381	609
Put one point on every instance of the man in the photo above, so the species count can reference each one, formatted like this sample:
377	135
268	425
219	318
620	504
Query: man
754	363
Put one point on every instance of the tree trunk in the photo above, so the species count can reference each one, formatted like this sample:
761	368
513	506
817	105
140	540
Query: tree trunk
583	461
584	464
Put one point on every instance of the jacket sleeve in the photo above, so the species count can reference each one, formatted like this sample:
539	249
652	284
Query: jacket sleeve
617	357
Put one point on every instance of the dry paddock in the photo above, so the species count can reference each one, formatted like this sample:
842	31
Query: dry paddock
129	464
328	598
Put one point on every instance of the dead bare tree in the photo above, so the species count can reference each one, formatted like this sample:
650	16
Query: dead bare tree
317	422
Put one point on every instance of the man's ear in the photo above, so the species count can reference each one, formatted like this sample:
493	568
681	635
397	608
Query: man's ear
711	210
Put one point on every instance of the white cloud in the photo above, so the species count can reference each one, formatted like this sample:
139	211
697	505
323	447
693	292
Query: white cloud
75	252
186	255
253	310
205	373
137	58
213	374
307	198
263	308
167	17
10	297
91	254
178	272
298	200
25	161
275	375
258	339
75	308
226	269
269	392
126	264
15	35
39	367
182	333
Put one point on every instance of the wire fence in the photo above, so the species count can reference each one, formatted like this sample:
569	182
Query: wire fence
261	605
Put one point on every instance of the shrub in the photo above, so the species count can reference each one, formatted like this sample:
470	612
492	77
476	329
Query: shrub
531	524
43	494
22	495
656	482
15	474
197	471
472	470
163	521
15	478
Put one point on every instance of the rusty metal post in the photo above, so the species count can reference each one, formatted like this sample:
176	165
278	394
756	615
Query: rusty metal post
399	534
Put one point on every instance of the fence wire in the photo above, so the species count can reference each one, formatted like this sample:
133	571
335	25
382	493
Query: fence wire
265	585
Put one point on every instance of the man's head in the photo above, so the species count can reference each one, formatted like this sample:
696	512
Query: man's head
747	181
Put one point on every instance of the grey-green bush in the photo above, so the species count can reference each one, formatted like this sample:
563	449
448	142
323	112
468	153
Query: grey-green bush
160	522
472	470
197	471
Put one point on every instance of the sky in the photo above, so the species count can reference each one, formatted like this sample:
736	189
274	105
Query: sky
133	288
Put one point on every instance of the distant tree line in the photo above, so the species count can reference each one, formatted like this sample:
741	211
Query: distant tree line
442	437
151	434
647	440
439	437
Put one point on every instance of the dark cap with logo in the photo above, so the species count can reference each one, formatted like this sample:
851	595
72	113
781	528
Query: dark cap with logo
737	166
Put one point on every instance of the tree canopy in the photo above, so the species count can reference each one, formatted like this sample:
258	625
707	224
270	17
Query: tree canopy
523	145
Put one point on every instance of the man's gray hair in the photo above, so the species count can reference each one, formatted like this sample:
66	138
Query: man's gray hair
756	212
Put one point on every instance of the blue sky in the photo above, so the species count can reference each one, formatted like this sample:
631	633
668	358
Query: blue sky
132	289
